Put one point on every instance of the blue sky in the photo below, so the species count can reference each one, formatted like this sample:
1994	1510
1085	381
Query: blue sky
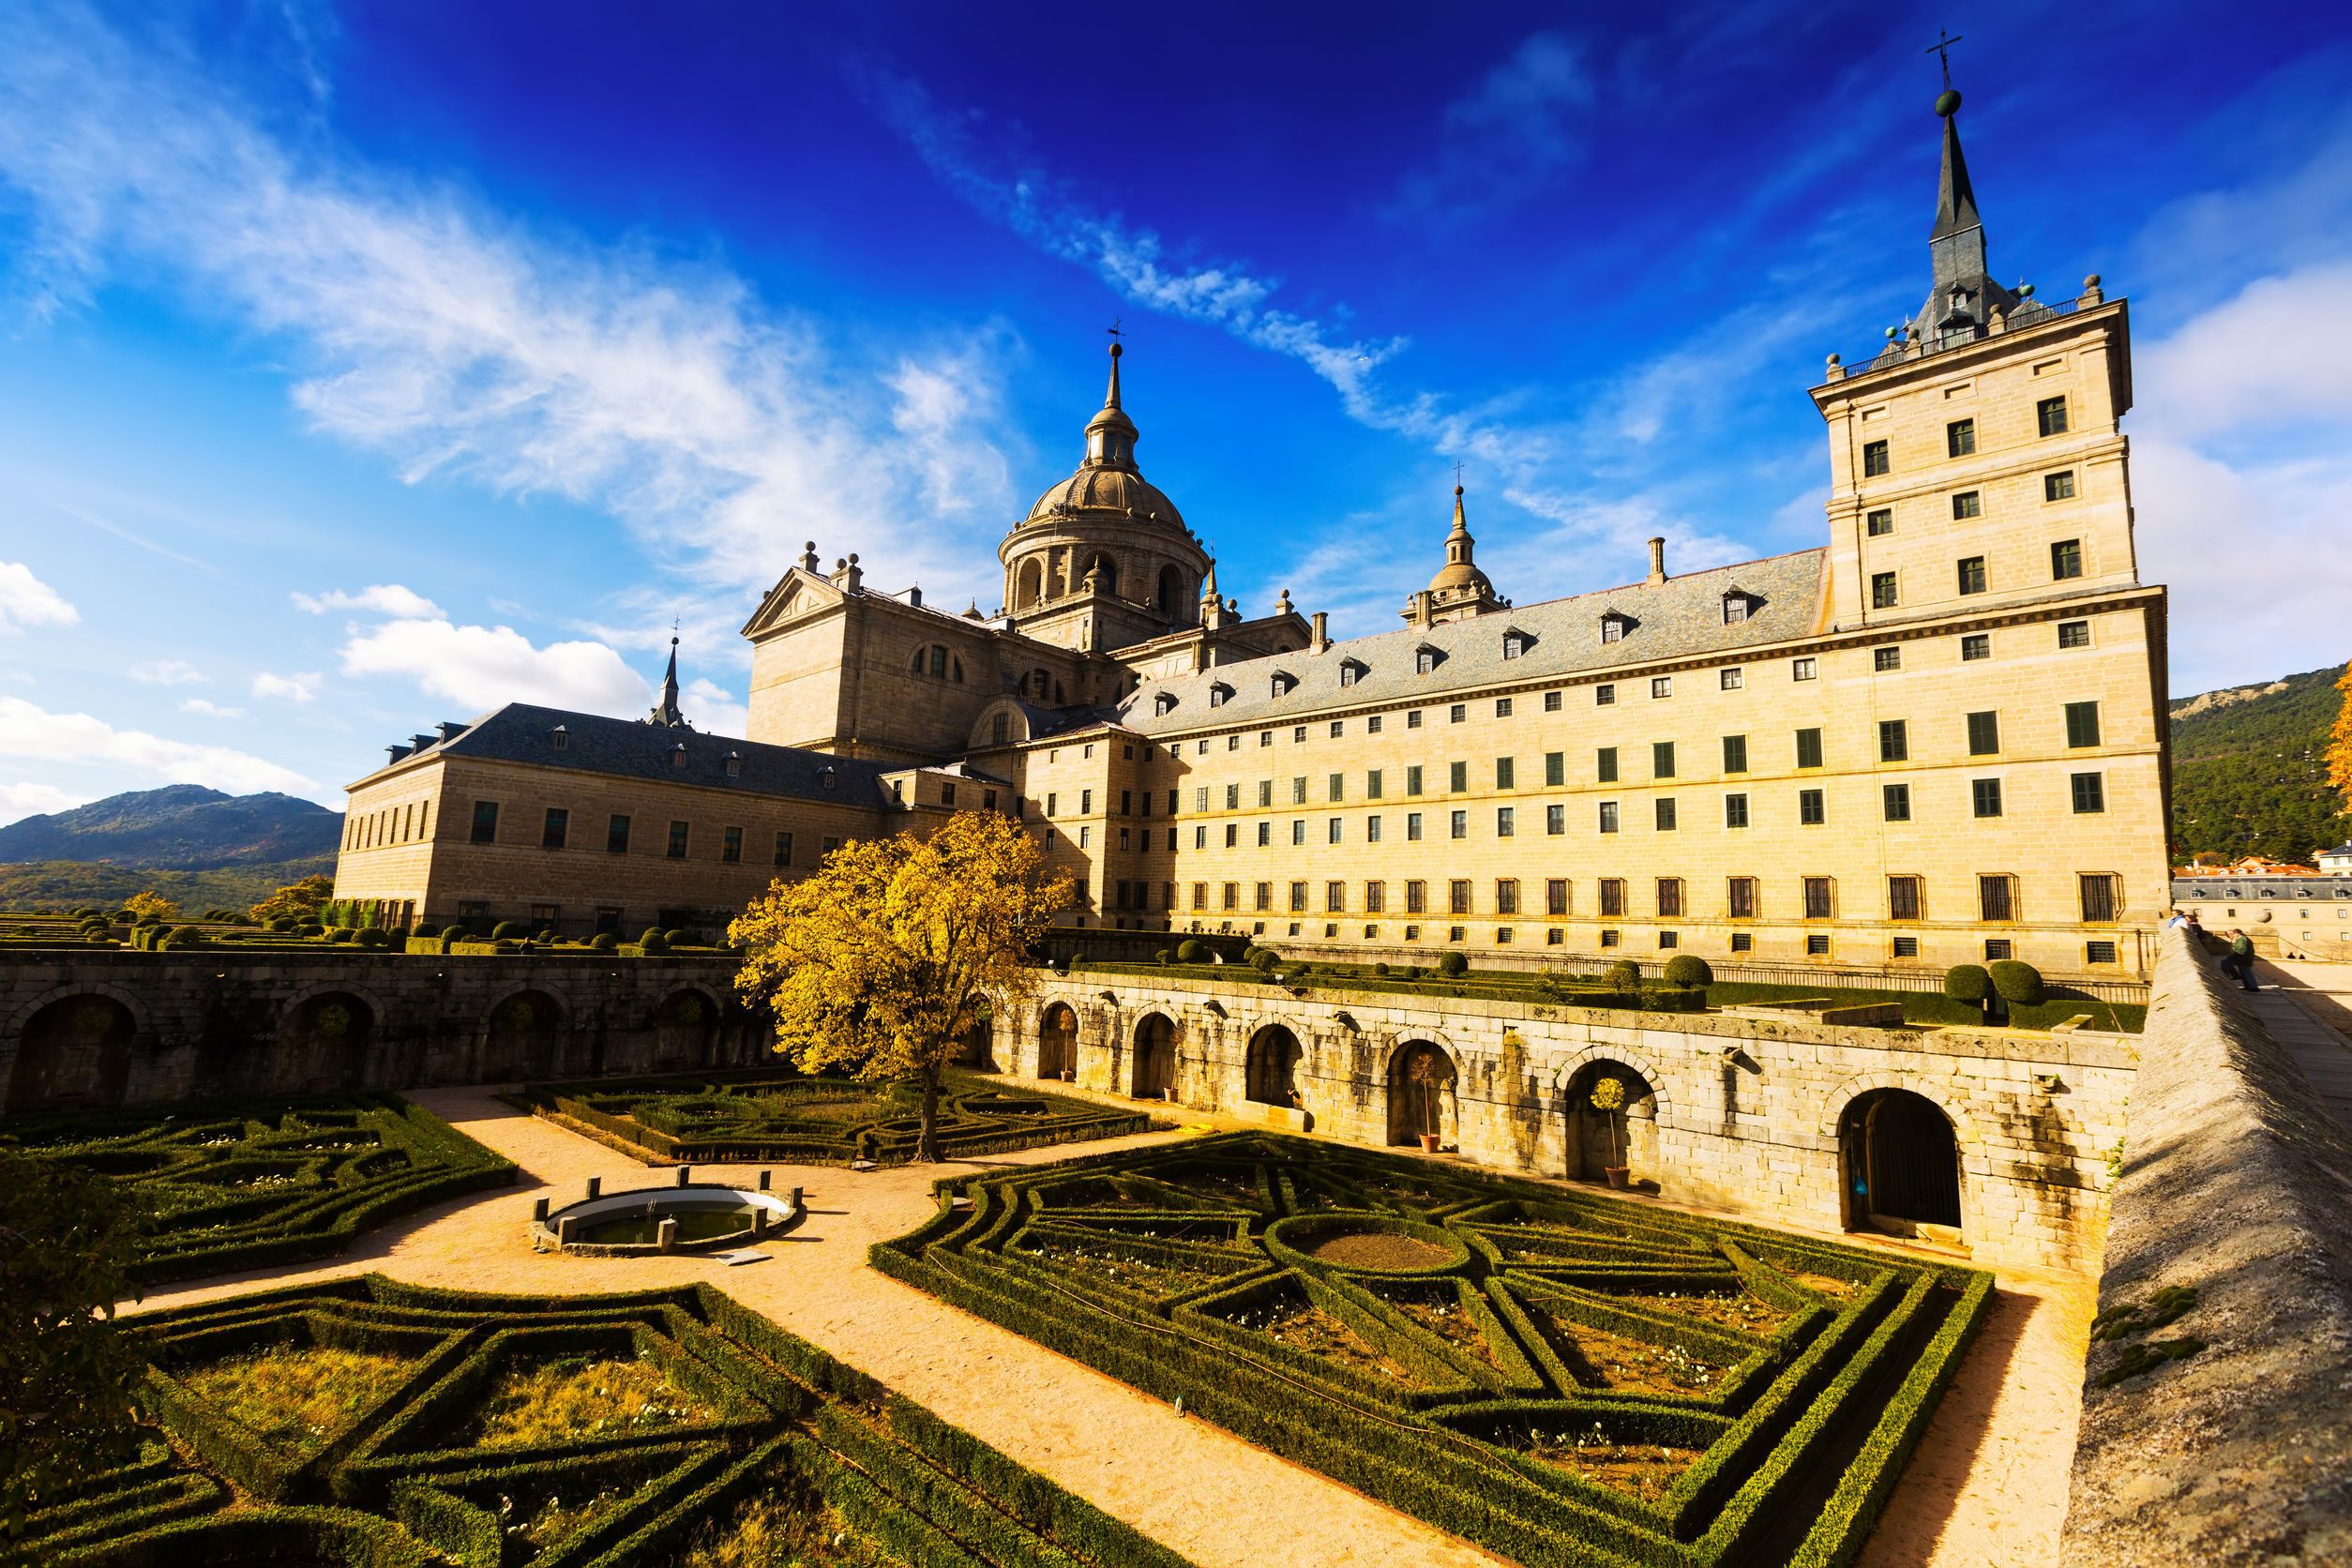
366	365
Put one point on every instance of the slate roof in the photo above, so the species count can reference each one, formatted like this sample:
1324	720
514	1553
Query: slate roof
1679	618
620	747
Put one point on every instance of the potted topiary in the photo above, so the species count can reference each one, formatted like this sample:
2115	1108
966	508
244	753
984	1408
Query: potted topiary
1609	1097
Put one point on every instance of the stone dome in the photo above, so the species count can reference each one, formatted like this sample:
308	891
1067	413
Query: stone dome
1458	574
1117	491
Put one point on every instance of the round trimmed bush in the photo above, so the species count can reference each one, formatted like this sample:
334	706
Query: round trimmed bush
653	942
1967	983
343	934
185	936
650	933
372	937
1380	970
680	937
1263	958
509	930
1623	976
1164	955
452	933
1192	950
2016	983
282	922
1076	959
603	942
1689	969
310	929
1452	966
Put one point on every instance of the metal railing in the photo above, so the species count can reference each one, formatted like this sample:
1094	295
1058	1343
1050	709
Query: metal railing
1905	351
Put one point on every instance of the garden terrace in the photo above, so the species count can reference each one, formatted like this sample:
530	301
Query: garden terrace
366	1423
244	1185
1571	1381
786	1118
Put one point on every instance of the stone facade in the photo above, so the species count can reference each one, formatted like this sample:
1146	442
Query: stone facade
1749	1115
114	1026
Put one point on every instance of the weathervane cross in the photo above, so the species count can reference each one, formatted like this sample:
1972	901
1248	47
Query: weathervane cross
1457	475
1941	49
1113	327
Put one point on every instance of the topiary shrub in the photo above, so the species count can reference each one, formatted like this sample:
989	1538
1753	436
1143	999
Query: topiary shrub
2016	983
282	922
1192	950
1623	976
603	942
310	929
371	936
343	934
680	938
1380	970
509	945
1164	955
452	933
509	930
1452	966
1263	958
183	936
1076	960
1969	982
653	942
1689	969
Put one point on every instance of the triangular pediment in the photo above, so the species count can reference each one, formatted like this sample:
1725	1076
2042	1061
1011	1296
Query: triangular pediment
798	591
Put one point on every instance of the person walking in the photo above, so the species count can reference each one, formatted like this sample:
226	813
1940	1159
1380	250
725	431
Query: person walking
2238	960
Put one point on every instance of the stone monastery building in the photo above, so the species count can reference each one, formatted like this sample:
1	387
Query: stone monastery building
1938	738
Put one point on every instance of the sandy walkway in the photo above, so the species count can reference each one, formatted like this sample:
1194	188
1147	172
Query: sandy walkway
1987	1486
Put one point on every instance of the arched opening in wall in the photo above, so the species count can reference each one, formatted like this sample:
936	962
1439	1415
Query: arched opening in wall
1171	595
324	1047
1271	1068
1154	1057
1029	584
524	1031
1420	1094
1057	1042
1612	1120
1105	572
685	1032
74	1052
1901	1162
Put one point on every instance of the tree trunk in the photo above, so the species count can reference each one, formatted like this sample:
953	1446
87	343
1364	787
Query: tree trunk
926	1139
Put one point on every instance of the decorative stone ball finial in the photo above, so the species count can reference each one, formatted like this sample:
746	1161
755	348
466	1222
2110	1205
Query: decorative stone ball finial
1948	102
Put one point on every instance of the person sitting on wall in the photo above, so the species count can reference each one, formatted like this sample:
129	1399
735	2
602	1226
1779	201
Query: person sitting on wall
2238	961
2177	921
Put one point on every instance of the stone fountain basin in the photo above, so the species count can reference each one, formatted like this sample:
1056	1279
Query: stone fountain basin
711	1218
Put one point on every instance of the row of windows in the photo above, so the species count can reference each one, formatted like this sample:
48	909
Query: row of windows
1879	523
556	833
2049	414
2099	897
1974	577
390	824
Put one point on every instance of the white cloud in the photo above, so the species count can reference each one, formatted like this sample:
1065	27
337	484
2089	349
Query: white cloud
710	706
30	731
455	341
1501	142
20	801
482	667
25	600
290	688
167	671
203	709
384	598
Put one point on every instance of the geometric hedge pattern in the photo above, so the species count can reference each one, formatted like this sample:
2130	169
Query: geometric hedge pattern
237	1184
804	1121
1564	1379
418	1464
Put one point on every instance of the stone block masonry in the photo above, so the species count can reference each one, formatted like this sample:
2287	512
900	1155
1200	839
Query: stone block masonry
1760	1117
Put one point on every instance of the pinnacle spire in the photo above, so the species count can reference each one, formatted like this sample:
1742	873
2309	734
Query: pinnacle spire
1964	296
666	713
1111	435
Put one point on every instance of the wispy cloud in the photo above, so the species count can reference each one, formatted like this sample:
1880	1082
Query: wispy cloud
25	600
384	598
30	731
20	801
167	672
1501	142
203	709
457	343
295	689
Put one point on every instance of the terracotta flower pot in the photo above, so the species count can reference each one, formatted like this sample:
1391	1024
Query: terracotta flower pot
1431	1142
1621	1176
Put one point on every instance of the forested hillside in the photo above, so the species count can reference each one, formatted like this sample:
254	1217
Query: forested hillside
2250	774
198	847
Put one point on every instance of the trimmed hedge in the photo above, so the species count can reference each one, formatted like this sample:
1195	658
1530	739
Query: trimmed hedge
405	1483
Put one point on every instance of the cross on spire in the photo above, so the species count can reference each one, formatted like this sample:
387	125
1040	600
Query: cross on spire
1113	327
1941	49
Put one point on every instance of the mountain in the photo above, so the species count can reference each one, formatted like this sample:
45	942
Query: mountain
182	827
57	885
2249	770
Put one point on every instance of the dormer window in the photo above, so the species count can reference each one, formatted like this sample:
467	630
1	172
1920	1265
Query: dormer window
559	739
1218	693
1515	642
1738	604
1349	671
1426	659
1615	625
678	755
1284	681
825	777
1164	704
734	764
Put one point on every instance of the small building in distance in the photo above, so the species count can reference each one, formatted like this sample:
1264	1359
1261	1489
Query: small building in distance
2291	912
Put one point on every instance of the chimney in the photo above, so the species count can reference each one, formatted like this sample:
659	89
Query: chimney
1657	562
1321	639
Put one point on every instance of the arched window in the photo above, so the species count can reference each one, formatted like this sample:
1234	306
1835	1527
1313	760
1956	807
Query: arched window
1901	1163
1171	589
1002	729
1029	584
939	660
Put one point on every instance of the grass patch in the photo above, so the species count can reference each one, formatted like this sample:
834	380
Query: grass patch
583	1397
296	1395
766	1533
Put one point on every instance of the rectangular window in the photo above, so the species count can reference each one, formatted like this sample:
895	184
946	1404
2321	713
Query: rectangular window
1903	898
1603	694
1819	898
1413	826
1458	895
1605	764
1975	645
1551	701
1506	821
1874	458
1812	808
677	840
2098	952
1740	897
1372	725
1459	827
2073	634
1298	897
1232	831
1338	728
557	828
1502	707
1880	523
1265	836
1608	816
1804	669
2059	487
2050	415
1232	797
1996	897
1372	785
1556	895
1232	896
1985	733
1555	769
1665	814
1298	791
1661	686
1987	795
1331	830
1298	830
2082	724
783	849
1506	773
1735	754
1555	819
1967	505
1200	896
1972	574
1732	679
1669	898
1507	895
1608	938
1817	945
1884	660
1200	799
1735	810
1808	748
1337	786
1894	741
2066	560
1371	830
731	845
1412	780
1413	719
1416	898
1458	712
486	821
2102	895
1742	942
1376	897
616	837
1335	898
1086	802
1266	793
1897	798
1612	898
1662	758
1458	777
1960	439
1263	894
1882	595
2091	794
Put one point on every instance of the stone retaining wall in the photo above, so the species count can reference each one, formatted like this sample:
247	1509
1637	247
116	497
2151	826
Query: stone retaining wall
2236	1186
112	1026
1745	1114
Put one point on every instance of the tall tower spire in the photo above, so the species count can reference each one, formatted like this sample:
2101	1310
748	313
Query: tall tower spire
1963	297
1111	435
666	713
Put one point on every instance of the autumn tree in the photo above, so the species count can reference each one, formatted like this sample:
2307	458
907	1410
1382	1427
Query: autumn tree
141	905
882	960
2339	742
300	901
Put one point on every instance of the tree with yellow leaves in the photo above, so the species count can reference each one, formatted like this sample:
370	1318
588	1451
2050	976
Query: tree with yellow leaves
141	905
300	901
2339	742
882	960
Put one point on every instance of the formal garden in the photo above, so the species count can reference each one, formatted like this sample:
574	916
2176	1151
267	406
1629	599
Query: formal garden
223	1185
366	1423
784	1118
1570	1381
338	927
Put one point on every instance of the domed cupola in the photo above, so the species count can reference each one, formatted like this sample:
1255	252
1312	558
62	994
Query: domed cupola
1459	590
